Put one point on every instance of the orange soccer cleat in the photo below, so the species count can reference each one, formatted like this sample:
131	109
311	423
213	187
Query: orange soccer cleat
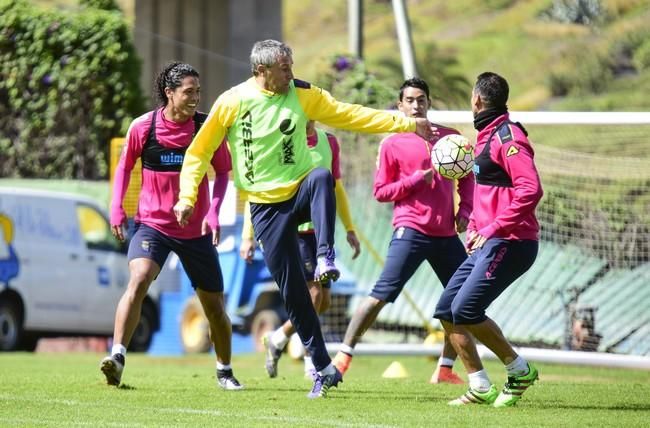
445	375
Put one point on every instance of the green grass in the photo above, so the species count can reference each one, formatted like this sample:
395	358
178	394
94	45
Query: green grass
67	390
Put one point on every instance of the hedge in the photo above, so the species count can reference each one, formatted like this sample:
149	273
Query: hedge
68	83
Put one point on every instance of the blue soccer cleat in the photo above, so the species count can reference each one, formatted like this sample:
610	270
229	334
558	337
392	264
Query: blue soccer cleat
326	270
322	384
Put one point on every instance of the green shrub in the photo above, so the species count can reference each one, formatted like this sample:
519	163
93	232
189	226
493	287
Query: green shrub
583	12
583	71
68	83
100	4
349	80
499	4
440	69
624	48
641	58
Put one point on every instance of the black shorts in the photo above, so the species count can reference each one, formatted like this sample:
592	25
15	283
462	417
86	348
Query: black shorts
198	256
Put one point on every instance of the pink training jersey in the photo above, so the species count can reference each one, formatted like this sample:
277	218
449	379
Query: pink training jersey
160	190
312	140
502	211
427	208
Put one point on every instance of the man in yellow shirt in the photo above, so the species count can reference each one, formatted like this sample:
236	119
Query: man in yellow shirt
264	120
325	151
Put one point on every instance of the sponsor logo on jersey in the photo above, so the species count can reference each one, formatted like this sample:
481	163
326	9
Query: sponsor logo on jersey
171	159
512	150
247	137
288	155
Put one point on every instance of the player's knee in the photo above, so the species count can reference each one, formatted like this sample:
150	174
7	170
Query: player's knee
443	313
139	284
382	295
217	315
465	314
321	175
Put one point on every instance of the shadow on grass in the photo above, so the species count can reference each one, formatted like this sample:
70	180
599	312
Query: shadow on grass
356	394
127	387
631	407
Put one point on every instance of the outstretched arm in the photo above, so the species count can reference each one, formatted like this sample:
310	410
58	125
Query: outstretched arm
319	105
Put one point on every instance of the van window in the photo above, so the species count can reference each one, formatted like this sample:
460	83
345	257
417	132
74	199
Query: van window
95	230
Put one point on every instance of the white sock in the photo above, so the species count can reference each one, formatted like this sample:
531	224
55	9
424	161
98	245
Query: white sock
444	361
479	381
223	366
347	349
279	339
118	348
309	364
517	367
327	370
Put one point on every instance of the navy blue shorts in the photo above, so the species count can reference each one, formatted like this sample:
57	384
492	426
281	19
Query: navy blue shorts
408	249
308	245
198	256
482	278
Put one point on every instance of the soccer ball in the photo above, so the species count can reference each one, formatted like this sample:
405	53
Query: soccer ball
453	156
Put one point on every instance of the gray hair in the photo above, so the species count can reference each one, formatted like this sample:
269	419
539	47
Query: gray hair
267	52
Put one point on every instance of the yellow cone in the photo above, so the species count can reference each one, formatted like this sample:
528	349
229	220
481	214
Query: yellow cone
395	370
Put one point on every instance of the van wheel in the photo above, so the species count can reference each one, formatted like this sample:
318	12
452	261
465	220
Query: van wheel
29	343
144	331
11	328
195	328
263	322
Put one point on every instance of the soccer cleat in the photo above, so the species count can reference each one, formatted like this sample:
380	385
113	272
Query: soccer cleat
474	397
515	387
322	384
326	270
342	361
272	355
112	367
444	374
228	381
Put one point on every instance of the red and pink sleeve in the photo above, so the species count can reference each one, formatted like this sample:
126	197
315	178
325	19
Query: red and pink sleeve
131	152
388	186
336	152
517	159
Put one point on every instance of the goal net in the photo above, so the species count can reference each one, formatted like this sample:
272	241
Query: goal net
588	289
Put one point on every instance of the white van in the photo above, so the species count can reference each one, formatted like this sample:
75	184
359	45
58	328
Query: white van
61	271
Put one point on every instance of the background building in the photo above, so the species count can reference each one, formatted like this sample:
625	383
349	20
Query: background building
215	36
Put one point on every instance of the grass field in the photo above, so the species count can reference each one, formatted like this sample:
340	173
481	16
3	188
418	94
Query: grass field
67	390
